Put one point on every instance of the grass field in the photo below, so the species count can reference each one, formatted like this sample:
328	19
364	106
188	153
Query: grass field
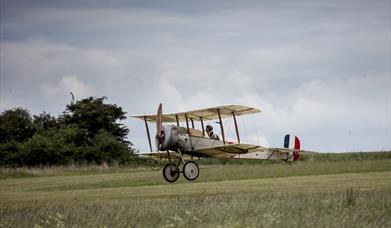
326	193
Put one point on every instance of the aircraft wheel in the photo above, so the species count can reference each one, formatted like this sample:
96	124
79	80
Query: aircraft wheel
191	170
170	172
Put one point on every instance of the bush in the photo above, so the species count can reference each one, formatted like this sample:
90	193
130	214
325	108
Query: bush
105	147
10	153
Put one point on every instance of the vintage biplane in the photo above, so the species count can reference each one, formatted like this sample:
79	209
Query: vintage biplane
183	143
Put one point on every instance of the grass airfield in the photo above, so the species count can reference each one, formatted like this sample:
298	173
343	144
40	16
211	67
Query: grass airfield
316	192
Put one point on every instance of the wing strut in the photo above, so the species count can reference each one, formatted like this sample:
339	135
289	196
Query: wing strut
202	125
187	123
236	127
177	120
221	126
148	135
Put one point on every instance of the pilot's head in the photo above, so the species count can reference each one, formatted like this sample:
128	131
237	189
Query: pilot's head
209	128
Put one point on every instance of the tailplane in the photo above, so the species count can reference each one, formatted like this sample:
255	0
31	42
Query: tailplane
292	142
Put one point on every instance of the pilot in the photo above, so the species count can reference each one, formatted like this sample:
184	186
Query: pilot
209	131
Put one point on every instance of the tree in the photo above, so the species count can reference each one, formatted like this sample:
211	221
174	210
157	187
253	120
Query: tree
105	147
88	131
54	146
45	121
93	115
10	153
16	124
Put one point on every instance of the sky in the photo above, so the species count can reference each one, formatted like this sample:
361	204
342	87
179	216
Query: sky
317	69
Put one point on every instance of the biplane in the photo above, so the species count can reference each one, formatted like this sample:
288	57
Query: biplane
184	143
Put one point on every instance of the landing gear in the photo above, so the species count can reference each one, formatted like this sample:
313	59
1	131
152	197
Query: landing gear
171	172
190	170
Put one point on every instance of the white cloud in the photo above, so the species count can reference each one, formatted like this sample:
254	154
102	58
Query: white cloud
5	106
59	92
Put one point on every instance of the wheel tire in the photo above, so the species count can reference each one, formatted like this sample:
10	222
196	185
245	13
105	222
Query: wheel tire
191	170
170	172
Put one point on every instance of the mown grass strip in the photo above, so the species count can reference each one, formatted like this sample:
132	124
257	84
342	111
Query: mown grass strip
317	183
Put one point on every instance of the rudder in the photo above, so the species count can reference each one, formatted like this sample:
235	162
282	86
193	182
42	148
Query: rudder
292	142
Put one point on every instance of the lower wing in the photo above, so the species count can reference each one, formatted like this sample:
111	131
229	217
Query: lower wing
248	151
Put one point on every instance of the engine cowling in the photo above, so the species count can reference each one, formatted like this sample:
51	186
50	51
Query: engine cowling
173	138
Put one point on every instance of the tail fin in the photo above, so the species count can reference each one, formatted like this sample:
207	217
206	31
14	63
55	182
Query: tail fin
292	142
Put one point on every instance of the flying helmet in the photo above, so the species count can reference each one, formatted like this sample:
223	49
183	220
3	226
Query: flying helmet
209	127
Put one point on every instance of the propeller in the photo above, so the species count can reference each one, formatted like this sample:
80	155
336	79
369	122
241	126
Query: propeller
159	127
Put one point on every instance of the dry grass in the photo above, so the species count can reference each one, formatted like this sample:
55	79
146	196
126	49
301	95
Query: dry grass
254	209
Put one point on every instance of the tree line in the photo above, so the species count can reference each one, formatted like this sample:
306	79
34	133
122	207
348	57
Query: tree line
87	132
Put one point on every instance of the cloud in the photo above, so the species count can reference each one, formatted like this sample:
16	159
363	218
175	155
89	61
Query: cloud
316	69
67	85
29	68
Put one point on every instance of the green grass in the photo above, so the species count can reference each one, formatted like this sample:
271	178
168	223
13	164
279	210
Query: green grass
358	156
346	192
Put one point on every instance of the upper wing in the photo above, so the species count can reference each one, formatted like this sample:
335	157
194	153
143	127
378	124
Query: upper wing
205	114
228	150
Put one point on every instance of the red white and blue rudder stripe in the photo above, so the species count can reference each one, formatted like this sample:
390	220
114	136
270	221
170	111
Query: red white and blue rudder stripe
292	142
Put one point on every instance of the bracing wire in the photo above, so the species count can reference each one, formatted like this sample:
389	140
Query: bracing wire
256	130
228	128
244	132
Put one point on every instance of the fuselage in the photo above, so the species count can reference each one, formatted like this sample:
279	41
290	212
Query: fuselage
186	141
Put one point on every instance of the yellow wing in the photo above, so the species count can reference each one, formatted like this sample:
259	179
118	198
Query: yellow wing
205	114
248	151
161	154
228	150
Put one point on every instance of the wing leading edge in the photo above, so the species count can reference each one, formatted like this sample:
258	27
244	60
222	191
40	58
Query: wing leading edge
206	114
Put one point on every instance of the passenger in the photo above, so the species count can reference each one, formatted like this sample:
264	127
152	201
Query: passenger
209	131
